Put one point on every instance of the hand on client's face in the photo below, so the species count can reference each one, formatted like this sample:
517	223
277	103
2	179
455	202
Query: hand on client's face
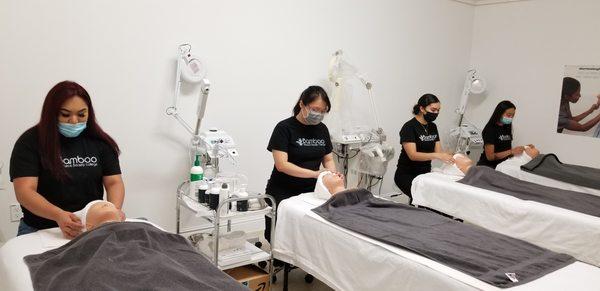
463	163
531	151
334	182
102	212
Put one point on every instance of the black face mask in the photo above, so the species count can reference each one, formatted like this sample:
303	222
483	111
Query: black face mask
430	116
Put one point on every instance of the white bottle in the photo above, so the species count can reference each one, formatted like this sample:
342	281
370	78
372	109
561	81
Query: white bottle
196	175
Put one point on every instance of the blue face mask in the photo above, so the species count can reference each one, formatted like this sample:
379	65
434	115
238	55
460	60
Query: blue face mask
71	130
506	120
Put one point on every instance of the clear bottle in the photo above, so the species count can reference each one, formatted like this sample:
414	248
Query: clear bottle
210	173
224	194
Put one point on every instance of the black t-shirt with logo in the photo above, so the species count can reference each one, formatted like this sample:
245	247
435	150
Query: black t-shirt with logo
501	137
305	145
86	160
424	136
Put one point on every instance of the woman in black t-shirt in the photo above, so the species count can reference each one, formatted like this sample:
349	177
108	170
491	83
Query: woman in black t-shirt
300	145
420	143
497	136
64	162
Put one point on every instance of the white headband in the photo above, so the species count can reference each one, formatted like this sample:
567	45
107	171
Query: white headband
321	191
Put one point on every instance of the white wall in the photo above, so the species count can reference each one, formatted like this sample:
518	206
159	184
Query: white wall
521	48
261	55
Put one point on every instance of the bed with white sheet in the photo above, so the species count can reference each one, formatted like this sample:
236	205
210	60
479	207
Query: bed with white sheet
345	260
14	274
512	167
550	227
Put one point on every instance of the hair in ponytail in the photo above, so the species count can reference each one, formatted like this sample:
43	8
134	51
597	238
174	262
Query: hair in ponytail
424	101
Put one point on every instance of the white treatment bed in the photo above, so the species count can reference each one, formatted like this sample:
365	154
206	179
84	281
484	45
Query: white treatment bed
14	274
547	226
345	260
512	167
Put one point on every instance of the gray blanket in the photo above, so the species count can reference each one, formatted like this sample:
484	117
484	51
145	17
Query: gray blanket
126	256
551	167
490	179
485	255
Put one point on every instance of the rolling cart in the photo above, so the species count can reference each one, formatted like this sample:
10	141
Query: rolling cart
214	223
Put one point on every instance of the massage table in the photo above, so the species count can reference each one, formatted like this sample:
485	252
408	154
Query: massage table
550	227
14	273
512	167
345	260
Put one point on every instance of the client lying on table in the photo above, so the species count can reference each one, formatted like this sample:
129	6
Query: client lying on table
490	179
98	212
114	254
497	259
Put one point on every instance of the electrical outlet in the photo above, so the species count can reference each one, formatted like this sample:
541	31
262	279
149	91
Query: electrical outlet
15	212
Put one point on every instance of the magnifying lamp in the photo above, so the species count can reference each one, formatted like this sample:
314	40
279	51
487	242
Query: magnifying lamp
190	69
474	84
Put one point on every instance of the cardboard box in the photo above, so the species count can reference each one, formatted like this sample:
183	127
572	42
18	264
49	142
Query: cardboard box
251	276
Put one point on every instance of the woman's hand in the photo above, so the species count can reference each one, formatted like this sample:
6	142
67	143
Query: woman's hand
122	214
445	157
517	150
69	224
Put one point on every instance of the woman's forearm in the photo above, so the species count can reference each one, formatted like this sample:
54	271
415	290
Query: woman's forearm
588	125
37	204
115	190
583	115
328	163
422	157
296	171
115	193
502	155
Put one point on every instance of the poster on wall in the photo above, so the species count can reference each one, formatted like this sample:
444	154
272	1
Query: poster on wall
579	112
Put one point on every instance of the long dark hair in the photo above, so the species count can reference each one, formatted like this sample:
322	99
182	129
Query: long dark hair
500	109
47	127
569	87
309	95
424	101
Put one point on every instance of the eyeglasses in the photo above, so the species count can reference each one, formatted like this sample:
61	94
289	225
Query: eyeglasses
317	110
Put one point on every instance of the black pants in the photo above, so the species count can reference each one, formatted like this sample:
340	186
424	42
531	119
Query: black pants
405	175
279	194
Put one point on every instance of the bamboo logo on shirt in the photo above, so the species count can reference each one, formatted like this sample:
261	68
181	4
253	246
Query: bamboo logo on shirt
431	137
312	142
505	137
76	162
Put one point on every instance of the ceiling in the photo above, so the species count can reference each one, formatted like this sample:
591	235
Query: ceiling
485	2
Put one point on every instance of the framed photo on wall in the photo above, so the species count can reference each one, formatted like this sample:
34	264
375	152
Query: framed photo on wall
579	111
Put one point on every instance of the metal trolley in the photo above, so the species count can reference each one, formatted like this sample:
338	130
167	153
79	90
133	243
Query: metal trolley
215	219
